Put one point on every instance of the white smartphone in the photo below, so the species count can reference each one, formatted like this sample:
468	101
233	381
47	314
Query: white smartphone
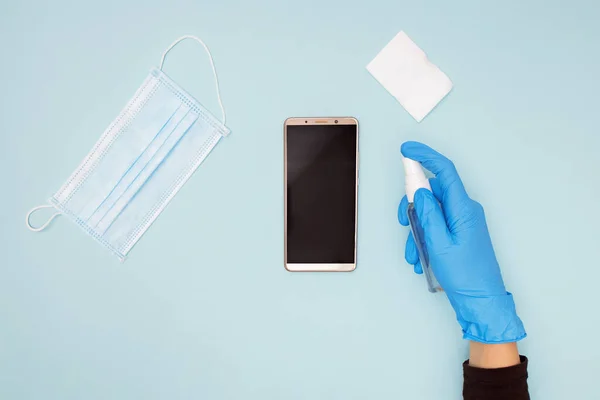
321	192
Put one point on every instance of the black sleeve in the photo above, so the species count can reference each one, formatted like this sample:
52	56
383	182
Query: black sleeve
496	384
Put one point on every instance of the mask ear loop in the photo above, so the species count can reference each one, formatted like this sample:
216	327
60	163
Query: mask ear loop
41	228
212	64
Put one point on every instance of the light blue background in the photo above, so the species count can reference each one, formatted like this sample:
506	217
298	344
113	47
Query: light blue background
203	308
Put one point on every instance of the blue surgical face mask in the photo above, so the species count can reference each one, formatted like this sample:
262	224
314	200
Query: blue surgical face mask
141	161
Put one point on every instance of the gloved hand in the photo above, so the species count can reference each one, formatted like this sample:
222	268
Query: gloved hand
460	252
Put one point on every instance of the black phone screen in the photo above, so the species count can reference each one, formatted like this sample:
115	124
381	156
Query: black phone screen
321	193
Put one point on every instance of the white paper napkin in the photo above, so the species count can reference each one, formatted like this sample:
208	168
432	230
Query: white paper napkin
403	69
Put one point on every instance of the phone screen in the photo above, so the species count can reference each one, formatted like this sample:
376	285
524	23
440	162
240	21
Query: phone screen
321	193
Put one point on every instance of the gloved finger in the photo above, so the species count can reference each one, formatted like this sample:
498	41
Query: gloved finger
449	181
418	268
411	255
432	220
402	212
436	189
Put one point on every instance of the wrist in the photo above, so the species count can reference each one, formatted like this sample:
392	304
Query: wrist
488	356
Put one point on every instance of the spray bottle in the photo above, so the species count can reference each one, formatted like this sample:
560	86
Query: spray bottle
415	179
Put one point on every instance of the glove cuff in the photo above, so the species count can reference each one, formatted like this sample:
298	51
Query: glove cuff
490	319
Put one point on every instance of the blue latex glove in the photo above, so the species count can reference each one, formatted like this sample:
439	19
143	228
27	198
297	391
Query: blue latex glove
460	252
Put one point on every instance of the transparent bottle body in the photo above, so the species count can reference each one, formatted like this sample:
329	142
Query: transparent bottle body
419	236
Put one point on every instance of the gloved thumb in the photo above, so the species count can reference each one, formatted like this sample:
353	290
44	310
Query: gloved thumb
431	218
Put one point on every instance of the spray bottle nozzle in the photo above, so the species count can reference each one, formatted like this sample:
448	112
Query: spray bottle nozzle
414	178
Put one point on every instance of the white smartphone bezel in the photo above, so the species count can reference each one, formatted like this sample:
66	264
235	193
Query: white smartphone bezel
319	267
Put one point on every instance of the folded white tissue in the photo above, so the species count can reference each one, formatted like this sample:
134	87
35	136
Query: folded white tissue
403	69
